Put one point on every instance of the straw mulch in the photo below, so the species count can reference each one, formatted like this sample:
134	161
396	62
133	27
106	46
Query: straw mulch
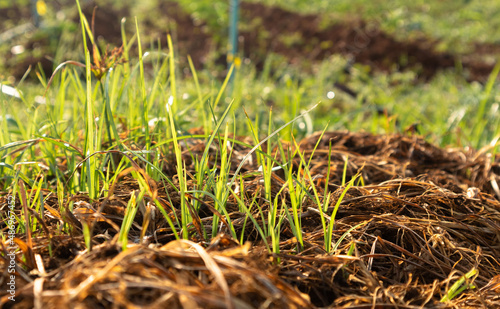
423	218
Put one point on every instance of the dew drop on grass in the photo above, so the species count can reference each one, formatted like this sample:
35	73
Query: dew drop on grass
169	103
40	100
10	91
17	50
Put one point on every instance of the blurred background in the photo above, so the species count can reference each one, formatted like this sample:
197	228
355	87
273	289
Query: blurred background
385	35
360	56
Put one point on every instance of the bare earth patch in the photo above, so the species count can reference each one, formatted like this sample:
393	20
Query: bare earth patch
298	37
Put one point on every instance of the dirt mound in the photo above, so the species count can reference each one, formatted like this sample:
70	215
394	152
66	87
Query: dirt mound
421	218
190	37
300	37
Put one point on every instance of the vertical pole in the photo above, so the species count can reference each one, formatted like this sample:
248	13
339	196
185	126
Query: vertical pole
38	9
34	13
233	35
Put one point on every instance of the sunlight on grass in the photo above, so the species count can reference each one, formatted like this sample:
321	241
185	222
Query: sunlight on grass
157	153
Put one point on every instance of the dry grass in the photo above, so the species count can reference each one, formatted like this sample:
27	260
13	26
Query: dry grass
426	216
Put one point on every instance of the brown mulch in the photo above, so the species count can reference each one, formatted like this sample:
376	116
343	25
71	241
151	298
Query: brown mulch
421	218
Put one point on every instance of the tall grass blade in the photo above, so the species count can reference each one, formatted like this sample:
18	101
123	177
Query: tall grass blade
90	173
329	232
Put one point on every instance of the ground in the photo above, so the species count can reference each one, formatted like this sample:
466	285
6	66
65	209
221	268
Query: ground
301	39
407	219
423	217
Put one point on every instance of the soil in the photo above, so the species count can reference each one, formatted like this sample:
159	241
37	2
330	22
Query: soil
362	41
298	37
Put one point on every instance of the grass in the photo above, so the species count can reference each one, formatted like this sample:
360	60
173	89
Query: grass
464	282
292	89
68	144
125	95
